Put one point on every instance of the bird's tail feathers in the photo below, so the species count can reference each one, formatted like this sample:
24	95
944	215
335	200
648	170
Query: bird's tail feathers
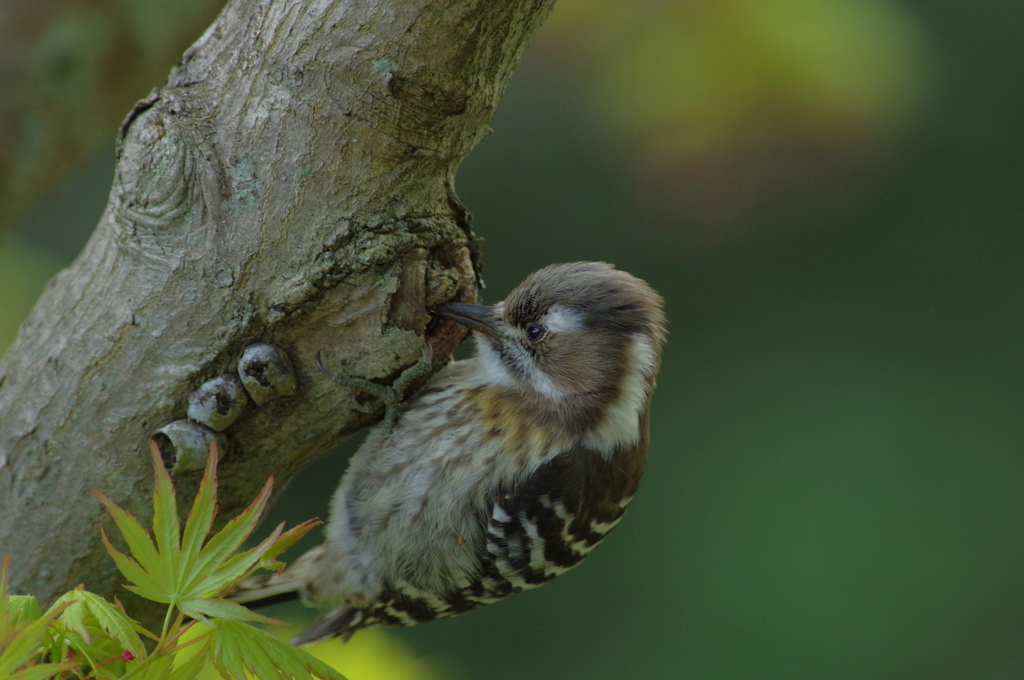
342	622
294	583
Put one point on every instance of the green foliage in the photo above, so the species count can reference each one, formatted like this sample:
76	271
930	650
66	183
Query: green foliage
83	635
240	648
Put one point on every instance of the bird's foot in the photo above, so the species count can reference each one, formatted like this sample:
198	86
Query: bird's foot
384	396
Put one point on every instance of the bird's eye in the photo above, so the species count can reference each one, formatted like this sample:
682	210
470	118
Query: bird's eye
535	332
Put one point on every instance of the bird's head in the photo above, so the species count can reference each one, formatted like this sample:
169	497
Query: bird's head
581	339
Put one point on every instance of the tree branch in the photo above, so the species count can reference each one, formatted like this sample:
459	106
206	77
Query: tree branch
292	183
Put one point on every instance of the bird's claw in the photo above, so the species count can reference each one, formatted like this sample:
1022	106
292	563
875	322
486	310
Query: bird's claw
390	397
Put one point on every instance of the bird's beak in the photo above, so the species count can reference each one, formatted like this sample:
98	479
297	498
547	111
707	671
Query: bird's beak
480	318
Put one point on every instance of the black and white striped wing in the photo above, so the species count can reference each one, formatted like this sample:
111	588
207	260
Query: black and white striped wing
554	519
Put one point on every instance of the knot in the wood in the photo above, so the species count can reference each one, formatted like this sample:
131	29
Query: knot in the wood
152	185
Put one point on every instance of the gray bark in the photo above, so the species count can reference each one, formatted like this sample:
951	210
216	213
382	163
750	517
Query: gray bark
292	183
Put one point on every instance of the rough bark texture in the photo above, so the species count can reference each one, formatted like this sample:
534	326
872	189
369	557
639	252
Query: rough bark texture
292	184
70	69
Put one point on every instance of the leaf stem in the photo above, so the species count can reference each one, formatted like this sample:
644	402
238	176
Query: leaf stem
167	622
199	638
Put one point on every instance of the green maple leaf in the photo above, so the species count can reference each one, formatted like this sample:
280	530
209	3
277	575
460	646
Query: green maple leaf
239	648
181	568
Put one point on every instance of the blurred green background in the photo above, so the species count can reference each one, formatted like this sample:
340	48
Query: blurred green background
830	197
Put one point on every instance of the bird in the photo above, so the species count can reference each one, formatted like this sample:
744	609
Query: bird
504	471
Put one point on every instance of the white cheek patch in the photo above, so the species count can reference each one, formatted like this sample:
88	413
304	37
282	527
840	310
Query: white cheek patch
560	319
620	426
494	371
537	378
491	370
